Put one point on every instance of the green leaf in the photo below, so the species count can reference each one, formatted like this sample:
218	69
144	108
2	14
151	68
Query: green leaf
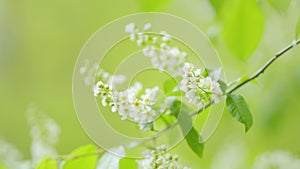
2	166
297	32
152	5
243	28
175	93
176	108
217	5
83	157
126	163
239	110
169	86
195	143
223	86
47	163
186	124
280	5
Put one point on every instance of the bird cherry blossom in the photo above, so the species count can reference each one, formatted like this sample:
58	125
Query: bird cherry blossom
160	159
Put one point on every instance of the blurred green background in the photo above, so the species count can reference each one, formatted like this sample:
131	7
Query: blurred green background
40	42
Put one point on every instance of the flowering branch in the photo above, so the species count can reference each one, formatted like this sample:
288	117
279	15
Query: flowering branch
254	76
201	88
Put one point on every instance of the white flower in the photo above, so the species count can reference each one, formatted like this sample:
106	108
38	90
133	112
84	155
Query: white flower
165	57
198	89
150	96
130	28
166	37
159	159
93	72
130	104
278	160
147	26
149	51
147	115
132	37
146	126
215	73
188	67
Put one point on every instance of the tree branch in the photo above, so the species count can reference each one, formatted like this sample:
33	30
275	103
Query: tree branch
254	76
262	69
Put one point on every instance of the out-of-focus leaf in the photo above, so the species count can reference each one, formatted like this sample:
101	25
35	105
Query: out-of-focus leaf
83	157
152	5
243	28
239	110
186	124
169	85
176	107
297	32
223	86
194	141
2	166
126	163
110	160
280	5
217	5
46	163
175	93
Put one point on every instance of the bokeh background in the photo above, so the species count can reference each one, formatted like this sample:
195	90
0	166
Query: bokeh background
40	42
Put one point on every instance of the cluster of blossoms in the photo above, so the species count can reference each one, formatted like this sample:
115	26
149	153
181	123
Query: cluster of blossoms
199	89
277	159
163	56
143	106
160	159
131	103
92	72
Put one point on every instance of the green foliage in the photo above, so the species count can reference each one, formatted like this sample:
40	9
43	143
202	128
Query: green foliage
239	110
176	108
280	5
186	124
152	5
243	28
83	157
194	141
2	166
297	32
126	163
217	5
169	86
46	163
223	86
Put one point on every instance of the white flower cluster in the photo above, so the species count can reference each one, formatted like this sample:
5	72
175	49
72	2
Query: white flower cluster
136	35
92	72
130	103
163	56
160	159
44	133
199	89
278	160
11	157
